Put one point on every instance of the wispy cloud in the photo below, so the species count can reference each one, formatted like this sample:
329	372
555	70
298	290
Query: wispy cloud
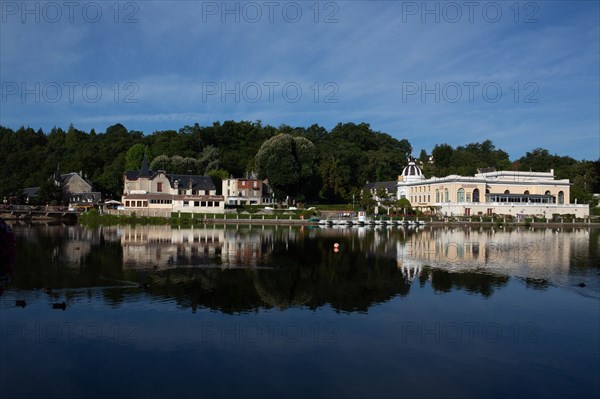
370	53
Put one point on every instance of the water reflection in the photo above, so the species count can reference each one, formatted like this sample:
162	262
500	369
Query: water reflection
246	268
488	312
161	247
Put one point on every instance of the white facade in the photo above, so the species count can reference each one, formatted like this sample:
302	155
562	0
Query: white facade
246	192
503	193
158	191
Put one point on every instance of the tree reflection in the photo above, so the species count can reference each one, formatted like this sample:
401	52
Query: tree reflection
243	271
479	283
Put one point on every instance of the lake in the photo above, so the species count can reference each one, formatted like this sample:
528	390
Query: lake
276	311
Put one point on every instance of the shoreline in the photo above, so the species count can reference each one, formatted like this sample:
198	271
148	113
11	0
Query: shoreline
111	219
177	221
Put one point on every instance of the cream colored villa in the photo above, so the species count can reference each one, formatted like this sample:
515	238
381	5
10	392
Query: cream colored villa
489	192
147	190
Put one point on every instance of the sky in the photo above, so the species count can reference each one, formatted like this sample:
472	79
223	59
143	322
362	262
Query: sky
522	74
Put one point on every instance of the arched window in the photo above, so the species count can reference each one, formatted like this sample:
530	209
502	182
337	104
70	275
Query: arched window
506	192
526	192
460	195
561	197
476	195
446	195
437	195
547	192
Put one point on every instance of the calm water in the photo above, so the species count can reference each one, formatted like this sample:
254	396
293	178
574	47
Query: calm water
151	311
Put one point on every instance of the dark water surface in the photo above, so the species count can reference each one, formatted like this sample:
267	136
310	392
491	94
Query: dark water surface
150	311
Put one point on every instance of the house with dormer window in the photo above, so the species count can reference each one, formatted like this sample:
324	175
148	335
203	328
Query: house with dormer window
158	190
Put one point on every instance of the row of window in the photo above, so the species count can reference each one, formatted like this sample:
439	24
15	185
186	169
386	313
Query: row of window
144	203
136	204
242	193
161	201
200	203
194	192
474	196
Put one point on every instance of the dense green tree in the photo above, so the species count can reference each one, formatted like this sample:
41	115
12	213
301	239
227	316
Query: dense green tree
332	188
466	160
361	154
367	202
423	156
289	163
161	162
217	176
209	159
404	205
344	158
135	156
50	193
442	154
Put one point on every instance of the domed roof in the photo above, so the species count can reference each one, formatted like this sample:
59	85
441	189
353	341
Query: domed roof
411	173
412	170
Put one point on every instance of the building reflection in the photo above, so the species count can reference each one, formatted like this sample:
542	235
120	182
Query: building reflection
243	268
515	251
534	255
163	247
68	245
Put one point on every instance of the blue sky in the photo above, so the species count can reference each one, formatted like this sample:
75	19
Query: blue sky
523	75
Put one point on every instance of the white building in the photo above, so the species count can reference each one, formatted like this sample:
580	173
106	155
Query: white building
160	191
491	192
250	191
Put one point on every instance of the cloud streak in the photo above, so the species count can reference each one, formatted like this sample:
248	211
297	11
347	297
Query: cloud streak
372	54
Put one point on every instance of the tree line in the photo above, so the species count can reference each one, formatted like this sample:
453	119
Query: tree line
306	163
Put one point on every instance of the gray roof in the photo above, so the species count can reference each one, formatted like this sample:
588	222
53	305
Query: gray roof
65	177
135	174
198	182
390	186
31	191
